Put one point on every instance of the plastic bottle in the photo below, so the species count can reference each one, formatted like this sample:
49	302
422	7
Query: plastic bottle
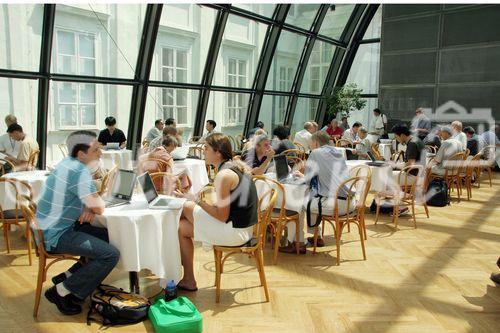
170	291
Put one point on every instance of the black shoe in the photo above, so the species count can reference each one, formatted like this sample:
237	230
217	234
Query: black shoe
59	278
64	304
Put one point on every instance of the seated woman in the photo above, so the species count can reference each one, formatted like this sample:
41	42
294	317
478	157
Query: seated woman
162	153
230	221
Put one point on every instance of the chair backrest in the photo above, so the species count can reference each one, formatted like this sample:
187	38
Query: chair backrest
357	187
397	156
152	165
64	149
165	182
405	177
454	164
345	143
292	153
376	153
33	159
14	191
466	153
301	148
194	139
145	143
108	180
474	164
207	194
361	171
29	213
280	191
265	206
2	166
239	141
431	149
197	151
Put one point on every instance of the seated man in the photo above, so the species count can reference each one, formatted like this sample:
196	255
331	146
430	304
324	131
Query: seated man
9	146
352	134
415	150
168	130
364	145
155	132
260	156
112	134
433	138
325	167
333	130
475	143
67	204
281	141
449	147
27	146
458	135
302	137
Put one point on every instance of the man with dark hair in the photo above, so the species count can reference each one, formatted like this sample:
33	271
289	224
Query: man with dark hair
281	141
344	125
378	127
415	148
68	203
27	147
474	143
155	132
111	133
210	127
170	122
351	134
8	146
259	125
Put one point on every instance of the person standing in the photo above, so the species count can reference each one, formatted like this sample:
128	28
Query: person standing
421	124
378	128
111	133
155	132
210	127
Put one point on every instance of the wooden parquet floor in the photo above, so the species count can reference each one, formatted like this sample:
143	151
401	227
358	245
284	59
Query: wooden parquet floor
431	279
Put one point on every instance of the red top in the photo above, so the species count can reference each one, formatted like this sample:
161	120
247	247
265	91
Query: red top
331	132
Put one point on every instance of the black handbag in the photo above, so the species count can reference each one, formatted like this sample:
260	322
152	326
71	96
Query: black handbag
437	193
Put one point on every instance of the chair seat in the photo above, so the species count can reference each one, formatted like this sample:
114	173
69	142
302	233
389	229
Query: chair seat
288	213
251	243
13	213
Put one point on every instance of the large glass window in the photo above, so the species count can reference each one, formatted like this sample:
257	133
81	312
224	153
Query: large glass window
302	15
335	20
182	43
242	40
20	36
365	68
229	110
272	110
264	9
20	98
305	111
163	103
97	39
75	106
375	26
285	61
317	68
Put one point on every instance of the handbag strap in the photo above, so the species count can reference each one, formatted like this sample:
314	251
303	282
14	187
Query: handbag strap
308	211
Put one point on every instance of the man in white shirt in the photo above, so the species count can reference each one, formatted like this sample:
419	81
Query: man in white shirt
449	147
458	134
351	134
155	131
9	146
28	146
210	127
378	126
302	137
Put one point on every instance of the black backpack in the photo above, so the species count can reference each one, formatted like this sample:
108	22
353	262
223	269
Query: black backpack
117	307
437	193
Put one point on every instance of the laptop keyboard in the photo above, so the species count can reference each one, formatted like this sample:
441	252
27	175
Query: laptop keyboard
113	201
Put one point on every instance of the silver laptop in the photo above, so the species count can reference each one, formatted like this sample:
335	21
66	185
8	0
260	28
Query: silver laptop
112	146
374	161
123	188
282	173
180	153
154	200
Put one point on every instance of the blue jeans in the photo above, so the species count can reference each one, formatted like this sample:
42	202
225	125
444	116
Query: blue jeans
90	242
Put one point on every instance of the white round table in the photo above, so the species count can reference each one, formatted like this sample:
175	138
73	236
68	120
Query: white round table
381	175
195	169
385	150
146	238
36	179
122	158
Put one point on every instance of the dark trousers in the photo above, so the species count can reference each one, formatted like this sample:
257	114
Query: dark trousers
92	243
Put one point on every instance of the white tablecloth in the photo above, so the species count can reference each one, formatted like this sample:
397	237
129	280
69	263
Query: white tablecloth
122	158
35	178
296	196
381	175
385	150
195	169
146	238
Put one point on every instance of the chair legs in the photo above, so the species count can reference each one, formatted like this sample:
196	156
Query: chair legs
338	235
259	260
218	274
39	284
6	229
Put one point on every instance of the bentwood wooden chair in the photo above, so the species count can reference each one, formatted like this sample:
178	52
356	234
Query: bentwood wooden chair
197	151
405	195
32	160
355	190
302	149
166	183
453	167
107	181
281	216
194	139
345	143
64	149
376	152
20	192
488	154
254	247
470	171
397	156
45	258
152	165
3	164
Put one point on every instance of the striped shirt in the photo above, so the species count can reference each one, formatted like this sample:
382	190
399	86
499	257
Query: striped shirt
61	202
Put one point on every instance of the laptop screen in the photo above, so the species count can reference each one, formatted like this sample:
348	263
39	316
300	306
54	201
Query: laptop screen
371	156
124	184
281	167
147	187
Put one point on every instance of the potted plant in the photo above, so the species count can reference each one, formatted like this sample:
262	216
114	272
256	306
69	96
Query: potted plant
343	100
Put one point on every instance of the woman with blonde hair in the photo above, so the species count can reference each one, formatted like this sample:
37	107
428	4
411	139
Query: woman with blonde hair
228	222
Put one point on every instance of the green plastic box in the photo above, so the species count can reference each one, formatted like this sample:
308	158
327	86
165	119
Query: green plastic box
176	316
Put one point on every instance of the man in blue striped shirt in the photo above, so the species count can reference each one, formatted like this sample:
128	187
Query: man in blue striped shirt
68	203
